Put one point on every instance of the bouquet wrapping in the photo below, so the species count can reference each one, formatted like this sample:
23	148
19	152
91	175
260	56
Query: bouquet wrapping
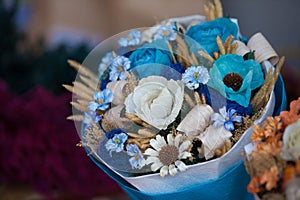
169	108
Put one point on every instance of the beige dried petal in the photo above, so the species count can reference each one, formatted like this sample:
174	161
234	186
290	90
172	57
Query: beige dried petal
196	121
117	88
212	139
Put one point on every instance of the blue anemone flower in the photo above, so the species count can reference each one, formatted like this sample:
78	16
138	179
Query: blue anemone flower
166	32
102	100
137	161
250	74
226	119
118	67
134	38
116	143
194	76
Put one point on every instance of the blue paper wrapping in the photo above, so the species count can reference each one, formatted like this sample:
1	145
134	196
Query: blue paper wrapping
230	186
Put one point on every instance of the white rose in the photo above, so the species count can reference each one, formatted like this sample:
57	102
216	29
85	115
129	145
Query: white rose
156	100
291	142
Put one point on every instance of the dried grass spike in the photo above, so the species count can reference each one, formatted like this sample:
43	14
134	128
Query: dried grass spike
262	96
90	83
83	70
80	86
189	100
206	13
76	118
68	87
216	55
197	98
220	45
79	106
206	55
227	43
203	99
233	48
146	132
219	9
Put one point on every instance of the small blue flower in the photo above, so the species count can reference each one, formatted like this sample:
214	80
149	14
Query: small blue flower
102	100
110	134
194	76
226	119
118	67
105	62
166	32
91	116
116	143
133	39
240	110
137	160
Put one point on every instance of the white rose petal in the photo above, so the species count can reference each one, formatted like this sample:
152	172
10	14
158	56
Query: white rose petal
156	101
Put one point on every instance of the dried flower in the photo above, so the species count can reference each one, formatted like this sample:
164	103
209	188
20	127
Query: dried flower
137	160
167	156
194	76
270	178
254	185
105	62
248	73
289	117
226	119
116	143
102	100
133	39
268	128
118	67
166	32
156	101
91	117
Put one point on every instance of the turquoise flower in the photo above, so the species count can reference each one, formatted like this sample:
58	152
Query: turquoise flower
116	143
235	78
166	32
226	119
205	33
105	62
133	39
137	160
102	100
194	76
118	67
152	56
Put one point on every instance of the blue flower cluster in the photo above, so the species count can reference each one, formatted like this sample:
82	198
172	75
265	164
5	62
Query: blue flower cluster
133	39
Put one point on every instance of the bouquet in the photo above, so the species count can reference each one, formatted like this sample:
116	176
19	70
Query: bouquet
171	106
274	156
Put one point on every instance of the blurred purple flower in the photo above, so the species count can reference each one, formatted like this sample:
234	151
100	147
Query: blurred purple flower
38	146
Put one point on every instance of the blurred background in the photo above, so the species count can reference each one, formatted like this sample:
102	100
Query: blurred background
39	157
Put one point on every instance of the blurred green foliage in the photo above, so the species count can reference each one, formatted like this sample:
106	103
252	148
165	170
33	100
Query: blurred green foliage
25	65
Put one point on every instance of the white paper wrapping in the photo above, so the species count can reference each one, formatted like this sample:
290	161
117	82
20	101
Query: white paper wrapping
198	173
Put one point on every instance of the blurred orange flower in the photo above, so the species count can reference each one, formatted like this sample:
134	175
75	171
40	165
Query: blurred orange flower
268	128
289	117
254	185
270	178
